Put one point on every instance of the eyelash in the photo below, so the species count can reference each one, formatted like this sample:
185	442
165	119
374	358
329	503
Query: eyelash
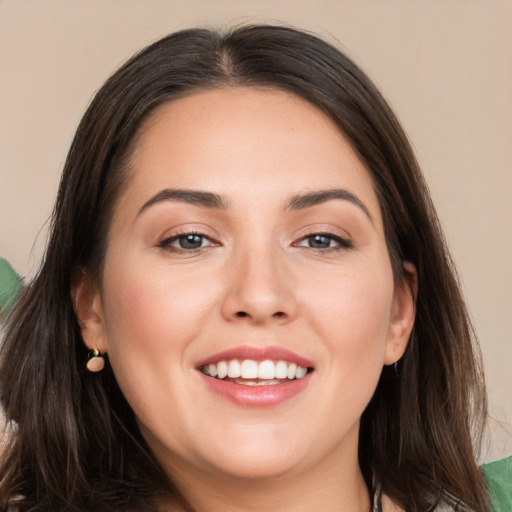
166	244
342	242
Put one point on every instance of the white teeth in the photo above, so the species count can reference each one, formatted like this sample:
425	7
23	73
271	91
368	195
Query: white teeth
254	373
212	370
222	369
249	369
281	370
266	370
292	368
234	369
301	372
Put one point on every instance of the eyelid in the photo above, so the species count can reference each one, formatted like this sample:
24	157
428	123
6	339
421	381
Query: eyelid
167	240
344	241
170	240
322	229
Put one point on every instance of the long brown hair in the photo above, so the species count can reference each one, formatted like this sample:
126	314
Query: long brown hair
74	443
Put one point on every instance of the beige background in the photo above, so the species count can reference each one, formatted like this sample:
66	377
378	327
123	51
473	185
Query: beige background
446	67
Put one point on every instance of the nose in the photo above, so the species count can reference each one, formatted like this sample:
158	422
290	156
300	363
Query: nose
260	289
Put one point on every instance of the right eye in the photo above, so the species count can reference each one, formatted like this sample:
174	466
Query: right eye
186	242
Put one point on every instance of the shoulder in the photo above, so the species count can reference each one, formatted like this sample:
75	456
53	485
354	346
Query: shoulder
498	475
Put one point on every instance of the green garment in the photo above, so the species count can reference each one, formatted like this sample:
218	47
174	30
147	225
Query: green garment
10	285
498	476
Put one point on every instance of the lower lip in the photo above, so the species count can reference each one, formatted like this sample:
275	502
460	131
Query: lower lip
257	396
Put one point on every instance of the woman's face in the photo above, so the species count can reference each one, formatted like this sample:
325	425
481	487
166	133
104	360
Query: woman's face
248	239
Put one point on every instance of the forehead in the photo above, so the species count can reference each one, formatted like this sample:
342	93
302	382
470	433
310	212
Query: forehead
227	140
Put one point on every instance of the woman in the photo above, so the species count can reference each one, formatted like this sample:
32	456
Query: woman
245	253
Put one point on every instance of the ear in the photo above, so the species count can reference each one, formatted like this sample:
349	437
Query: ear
86	299
402	314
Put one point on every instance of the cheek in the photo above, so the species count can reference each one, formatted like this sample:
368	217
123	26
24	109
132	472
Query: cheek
352	315
353	302
349	314
151	318
151	310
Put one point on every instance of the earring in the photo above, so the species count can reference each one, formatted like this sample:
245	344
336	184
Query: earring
396	370
95	361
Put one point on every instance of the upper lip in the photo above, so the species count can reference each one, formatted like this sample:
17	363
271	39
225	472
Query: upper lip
257	353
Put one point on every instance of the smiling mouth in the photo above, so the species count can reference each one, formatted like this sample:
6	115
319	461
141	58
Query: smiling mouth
249	372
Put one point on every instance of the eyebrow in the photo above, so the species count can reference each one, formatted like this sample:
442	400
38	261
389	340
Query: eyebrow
308	200
215	201
195	197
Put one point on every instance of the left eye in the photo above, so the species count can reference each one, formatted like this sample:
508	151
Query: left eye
186	242
323	241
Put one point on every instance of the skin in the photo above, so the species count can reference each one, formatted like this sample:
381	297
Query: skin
255	281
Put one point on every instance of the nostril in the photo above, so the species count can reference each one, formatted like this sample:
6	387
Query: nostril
244	314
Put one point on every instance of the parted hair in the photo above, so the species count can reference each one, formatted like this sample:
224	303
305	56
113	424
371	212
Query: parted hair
72	442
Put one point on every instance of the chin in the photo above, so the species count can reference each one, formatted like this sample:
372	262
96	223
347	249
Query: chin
258	467
257	452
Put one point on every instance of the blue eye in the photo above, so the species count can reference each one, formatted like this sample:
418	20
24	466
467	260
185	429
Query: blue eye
319	241
190	241
186	242
324	241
